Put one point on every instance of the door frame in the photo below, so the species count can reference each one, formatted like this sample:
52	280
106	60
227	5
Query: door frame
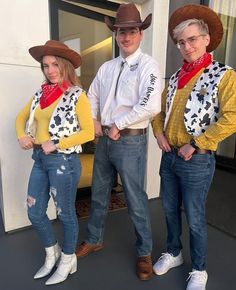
56	5
223	162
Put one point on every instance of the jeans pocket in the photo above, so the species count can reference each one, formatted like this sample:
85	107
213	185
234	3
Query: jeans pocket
201	160
34	155
73	163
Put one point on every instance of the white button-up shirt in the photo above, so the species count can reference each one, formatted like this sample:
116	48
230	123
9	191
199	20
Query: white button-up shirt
138	93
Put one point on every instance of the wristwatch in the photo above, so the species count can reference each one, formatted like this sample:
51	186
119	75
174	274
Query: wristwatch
193	144
56	143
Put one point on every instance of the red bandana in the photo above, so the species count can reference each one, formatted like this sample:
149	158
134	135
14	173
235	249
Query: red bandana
189	70
51	92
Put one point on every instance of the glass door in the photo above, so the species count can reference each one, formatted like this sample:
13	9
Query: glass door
80	25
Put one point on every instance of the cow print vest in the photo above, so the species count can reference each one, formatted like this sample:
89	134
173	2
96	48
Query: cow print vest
202	108
64	121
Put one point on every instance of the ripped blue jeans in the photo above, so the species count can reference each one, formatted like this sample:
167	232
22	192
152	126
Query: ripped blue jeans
55	175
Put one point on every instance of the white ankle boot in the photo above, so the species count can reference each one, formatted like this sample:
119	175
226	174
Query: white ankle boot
67	265
52	255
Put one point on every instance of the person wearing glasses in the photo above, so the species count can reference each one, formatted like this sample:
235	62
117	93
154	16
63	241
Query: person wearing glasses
198	111
124	96
54	123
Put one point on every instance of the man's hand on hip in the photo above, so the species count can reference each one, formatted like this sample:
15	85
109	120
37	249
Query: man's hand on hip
163	143
186	152
97	128
114	132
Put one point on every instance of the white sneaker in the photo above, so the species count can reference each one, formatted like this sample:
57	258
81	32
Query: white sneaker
197	280
166	262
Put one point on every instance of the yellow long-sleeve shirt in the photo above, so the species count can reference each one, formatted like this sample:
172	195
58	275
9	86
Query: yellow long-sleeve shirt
42	118
176	132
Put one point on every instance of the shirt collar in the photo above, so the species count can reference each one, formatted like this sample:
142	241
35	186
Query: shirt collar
132	59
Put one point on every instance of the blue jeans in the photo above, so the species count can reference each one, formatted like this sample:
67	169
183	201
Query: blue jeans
55	175
187	182
127	156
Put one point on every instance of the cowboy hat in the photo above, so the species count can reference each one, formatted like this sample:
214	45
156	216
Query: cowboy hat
128	15
201	12
56	48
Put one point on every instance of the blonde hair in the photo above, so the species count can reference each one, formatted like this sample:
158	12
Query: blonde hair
67	71
203	27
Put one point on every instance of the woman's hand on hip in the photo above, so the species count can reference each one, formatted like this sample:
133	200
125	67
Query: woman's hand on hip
26	142
48	147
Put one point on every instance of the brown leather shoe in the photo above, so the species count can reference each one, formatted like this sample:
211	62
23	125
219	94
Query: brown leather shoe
84	249
144	267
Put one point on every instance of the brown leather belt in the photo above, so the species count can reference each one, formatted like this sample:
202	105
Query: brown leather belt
37	146
126	132
175	149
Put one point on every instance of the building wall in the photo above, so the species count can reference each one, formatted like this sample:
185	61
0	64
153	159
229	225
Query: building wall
155	44
26	23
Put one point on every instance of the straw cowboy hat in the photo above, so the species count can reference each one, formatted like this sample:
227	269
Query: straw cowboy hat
199	12
128	15
56	48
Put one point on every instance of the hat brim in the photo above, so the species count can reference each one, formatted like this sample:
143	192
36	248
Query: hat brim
199	12
142	25
37	52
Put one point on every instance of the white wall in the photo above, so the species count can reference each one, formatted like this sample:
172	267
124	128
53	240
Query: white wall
24	24
155	44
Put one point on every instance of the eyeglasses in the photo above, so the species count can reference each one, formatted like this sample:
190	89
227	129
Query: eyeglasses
132	33
191	41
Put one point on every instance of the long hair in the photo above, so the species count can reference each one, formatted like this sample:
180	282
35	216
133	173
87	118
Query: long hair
67	71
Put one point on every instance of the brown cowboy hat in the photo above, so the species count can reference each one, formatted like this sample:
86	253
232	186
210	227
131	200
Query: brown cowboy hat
199	12
56	48
128	15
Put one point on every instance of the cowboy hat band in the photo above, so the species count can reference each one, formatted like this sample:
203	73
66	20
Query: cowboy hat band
55	48
201	12
127	16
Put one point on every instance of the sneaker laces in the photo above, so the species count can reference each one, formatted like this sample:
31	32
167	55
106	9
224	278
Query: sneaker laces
198	276
166	257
